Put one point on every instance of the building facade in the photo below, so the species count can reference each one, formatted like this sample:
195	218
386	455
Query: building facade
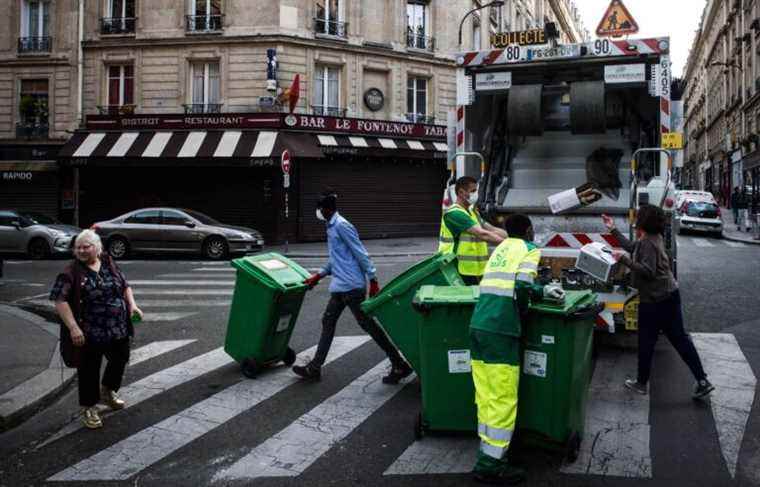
722	100
173	93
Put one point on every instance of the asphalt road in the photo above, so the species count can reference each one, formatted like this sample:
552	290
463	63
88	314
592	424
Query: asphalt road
194	420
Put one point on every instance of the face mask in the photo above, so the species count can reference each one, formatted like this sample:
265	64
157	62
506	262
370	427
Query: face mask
472	198
320	216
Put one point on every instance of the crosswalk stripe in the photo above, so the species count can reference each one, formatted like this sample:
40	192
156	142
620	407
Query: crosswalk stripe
735	384
292	450
617	429
215	269
184	303
180	283
192	276
137	452
700	242
154	349
167	316
182	292
154	384
734	244
436	455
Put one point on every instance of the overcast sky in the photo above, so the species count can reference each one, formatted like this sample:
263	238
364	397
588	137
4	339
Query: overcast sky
678	19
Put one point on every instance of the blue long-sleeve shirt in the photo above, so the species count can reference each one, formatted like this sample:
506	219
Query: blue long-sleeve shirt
349	263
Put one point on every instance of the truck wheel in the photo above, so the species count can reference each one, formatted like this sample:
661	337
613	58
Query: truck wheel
290	357
250	368
38	249
573	447
419	427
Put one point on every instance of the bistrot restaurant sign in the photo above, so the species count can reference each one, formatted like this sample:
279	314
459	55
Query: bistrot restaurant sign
524	38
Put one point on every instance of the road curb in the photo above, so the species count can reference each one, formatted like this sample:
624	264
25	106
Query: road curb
742	240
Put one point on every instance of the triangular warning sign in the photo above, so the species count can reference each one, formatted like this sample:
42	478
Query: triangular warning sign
617	21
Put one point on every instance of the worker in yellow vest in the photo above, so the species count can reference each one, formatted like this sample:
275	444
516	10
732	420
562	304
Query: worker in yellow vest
495	330
466	234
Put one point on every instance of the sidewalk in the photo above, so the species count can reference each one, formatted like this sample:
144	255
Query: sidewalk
389	247
31	371
731	233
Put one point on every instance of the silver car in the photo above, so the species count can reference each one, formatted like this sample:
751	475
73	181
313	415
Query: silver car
34	234
175	230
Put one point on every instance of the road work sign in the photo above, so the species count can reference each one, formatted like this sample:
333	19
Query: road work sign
617	21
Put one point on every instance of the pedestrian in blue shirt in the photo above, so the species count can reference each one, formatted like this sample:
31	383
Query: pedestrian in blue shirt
350	267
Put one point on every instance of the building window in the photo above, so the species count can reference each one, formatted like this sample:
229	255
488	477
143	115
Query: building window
329	19
327	92
121	89
205	88
416	26
33	109
416	100
119	18
205	16
35	19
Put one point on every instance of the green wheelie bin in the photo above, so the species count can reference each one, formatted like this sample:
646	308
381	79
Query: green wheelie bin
269	291
392	307
556	371
448	394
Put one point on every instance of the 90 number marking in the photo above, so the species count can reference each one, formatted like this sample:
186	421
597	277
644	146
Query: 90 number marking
602	46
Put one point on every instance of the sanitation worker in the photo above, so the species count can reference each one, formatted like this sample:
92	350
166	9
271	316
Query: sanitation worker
505	291
350	267
466	234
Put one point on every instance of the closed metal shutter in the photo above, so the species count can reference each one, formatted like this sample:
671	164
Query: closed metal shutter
381	197
40	193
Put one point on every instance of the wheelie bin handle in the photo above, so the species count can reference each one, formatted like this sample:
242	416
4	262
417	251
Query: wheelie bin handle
588	311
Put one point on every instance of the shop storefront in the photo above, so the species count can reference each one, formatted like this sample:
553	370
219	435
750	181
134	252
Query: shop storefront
389	175
29	179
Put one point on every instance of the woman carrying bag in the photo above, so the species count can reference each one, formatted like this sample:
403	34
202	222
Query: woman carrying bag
95	303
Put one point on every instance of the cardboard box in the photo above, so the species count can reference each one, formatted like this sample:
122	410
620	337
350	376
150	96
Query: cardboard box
574	198
596	260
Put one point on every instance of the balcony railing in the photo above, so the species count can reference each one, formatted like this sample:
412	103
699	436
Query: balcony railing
31	45
198	108
420	118
118	25
417	40
31	130
328	111
116	109
204	24
331	28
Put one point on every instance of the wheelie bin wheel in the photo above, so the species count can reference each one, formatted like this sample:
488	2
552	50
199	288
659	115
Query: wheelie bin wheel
250	368
573	448
419	427
290	357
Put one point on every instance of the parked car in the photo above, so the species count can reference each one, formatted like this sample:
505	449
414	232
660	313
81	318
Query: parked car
701	215
34	234
691	194
175	230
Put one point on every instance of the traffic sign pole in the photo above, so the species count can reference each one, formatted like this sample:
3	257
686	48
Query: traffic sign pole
285	166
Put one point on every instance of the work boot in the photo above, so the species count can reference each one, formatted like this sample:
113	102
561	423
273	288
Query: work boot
91	418
397	373
509	475
702	389
308	371
111	399
636	387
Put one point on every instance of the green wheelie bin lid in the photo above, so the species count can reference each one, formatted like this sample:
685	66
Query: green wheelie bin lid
573	302
273	270
432	296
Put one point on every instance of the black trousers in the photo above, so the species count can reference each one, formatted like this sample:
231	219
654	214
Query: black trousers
351	299
117	357
666	316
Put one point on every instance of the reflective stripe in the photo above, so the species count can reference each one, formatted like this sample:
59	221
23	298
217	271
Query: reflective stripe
492	451
482	429
529	266
525	277
472	258
497	291
498	434
507	276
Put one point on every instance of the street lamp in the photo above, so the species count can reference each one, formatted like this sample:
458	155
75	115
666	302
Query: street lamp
495	3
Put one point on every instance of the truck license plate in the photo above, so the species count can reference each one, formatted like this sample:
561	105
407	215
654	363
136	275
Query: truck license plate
554	52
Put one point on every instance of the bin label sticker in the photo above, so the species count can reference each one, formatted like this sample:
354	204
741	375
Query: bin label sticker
534	363
284	322
459	362
547	339
273	264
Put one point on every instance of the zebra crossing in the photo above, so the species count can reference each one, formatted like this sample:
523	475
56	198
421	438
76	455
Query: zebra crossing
705	242
617	437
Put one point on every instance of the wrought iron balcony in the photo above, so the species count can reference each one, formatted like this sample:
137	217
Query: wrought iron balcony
328	111
32	45
418	40
31	130
204	24
118	25
331	28
199	108
420	118
116	109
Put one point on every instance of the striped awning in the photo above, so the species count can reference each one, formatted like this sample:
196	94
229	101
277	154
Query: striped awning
359	142
182	145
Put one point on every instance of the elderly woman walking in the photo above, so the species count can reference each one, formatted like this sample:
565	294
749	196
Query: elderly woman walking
95	302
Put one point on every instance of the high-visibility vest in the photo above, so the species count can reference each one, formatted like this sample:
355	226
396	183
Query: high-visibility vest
471	252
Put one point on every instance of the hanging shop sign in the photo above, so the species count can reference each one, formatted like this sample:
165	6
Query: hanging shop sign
522	38
374	99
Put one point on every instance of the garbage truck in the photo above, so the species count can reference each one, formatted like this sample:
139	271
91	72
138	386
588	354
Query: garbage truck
534	122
